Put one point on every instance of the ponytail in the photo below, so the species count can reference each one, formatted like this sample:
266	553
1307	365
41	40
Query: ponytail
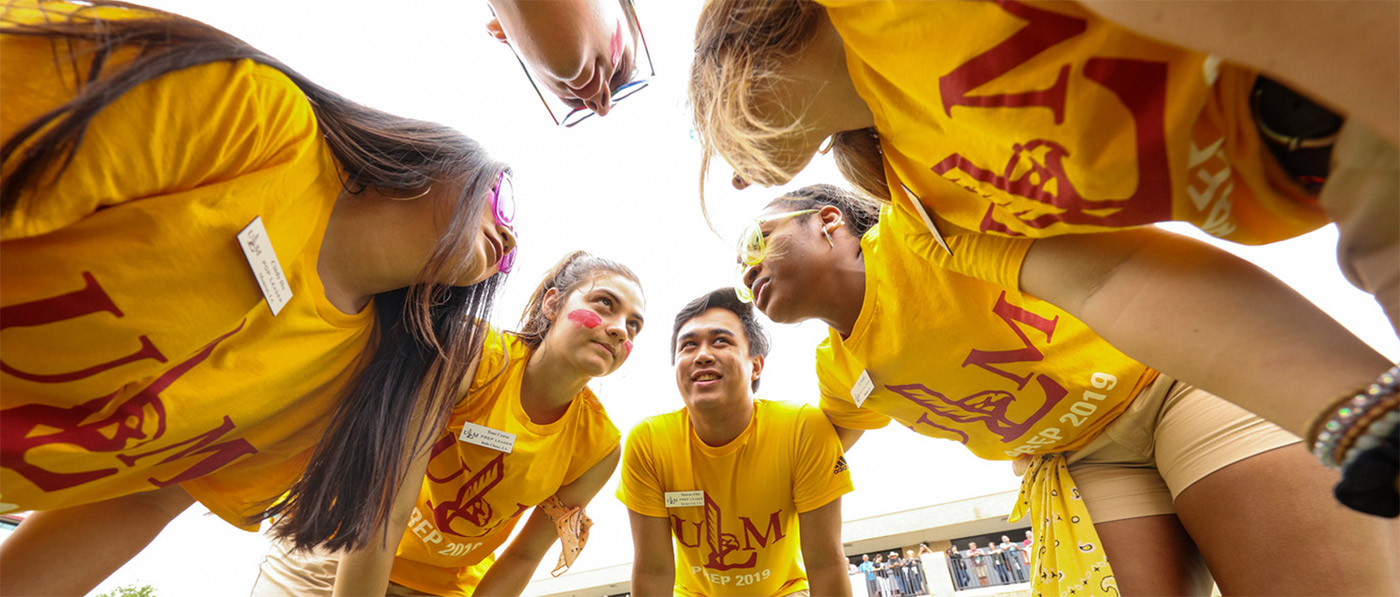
861	161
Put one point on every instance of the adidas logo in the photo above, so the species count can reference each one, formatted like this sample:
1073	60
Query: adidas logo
840	465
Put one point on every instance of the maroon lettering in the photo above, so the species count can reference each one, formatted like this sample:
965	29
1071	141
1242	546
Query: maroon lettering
1142	87
988	408
1013	315
1043	30
774	531
924	420
90	299
444	444
220	455
470	502
721	544
678	525
30	426
1139	85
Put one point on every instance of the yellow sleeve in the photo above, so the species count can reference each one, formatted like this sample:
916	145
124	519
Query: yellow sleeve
598	438
839	408
820	473
995	259
194	128
641	487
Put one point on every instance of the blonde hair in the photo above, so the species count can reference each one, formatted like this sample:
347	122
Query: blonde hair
740	47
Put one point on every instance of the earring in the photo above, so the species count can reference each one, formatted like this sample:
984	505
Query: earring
826	147
418	196
828	238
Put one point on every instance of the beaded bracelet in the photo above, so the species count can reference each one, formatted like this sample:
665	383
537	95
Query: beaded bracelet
1334	436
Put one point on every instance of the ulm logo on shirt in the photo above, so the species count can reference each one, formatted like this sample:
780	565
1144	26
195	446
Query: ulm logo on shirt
991	408
723	545
135	420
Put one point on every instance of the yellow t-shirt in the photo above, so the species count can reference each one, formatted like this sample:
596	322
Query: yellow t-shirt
745	539
472	495
1040	118
139	350
955	357
952	356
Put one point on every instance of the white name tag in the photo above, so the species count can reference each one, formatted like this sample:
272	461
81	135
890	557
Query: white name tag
685	499
487	437
862	389
258	249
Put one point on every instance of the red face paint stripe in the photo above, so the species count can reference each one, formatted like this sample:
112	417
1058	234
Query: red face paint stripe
627	346
616	46
585	318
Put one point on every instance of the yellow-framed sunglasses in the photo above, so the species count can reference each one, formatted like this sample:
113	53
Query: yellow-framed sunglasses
753	248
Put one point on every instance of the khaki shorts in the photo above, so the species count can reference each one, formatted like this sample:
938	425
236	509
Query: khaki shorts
1171	436
285	573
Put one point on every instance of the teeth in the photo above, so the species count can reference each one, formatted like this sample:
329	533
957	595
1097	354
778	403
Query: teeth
706	377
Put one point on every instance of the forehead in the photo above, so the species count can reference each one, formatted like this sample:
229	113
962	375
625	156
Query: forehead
621	287
713	321
770	211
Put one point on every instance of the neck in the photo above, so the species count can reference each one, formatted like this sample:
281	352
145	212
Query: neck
846	282
549	386
372	245
837	106
719	426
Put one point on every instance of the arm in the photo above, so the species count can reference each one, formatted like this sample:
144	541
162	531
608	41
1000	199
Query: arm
365	571
847	435
1204	316
512	571
821	550
70	550
653	558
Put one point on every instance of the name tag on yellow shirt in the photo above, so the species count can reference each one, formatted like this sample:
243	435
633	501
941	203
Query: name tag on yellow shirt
862	389
486	437
258	249
685	499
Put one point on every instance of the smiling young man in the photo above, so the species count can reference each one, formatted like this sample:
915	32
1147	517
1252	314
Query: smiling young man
731	477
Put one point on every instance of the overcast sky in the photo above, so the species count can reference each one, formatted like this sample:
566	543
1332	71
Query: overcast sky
623	187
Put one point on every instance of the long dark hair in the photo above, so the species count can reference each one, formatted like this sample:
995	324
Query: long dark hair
426	336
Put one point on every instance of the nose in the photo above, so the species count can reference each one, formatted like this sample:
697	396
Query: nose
703	356
616	327
508	240
601	102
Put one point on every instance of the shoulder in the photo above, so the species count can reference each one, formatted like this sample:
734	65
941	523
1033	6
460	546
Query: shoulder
785	415
659	427
499	349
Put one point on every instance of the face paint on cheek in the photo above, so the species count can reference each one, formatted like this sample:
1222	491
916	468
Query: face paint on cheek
627	346
616	46
585	318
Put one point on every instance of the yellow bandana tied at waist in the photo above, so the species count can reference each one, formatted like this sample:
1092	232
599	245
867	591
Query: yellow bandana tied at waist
571	524
1068	558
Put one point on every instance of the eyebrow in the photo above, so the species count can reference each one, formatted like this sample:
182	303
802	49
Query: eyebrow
714	331
641	321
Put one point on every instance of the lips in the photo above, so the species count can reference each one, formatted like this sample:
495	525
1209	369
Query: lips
497	250
706	377
606	348
760	290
